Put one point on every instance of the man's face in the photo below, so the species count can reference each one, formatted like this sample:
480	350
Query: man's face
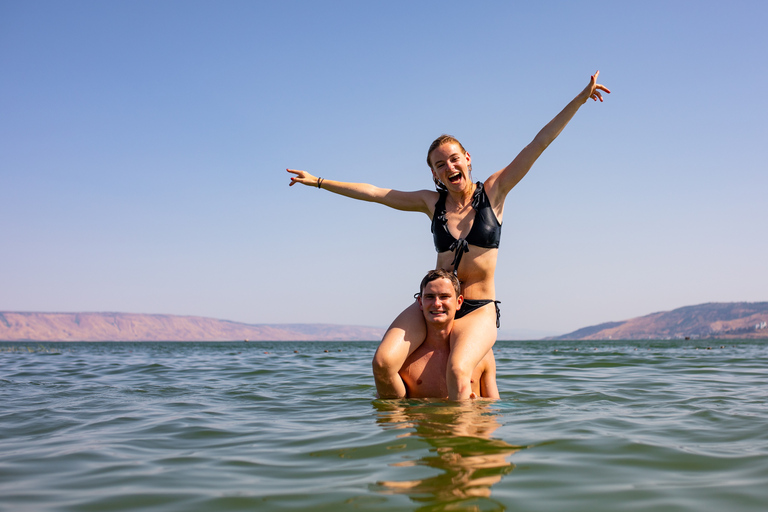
438	301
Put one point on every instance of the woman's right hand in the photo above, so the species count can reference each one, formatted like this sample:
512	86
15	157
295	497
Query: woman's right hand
418	201
302	177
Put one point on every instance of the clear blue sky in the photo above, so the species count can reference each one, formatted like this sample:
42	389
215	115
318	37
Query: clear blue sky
143	148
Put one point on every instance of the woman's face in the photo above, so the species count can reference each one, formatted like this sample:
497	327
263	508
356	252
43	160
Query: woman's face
451	165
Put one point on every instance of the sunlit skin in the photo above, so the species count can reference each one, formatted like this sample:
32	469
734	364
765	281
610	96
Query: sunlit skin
474	334
452	167
424	371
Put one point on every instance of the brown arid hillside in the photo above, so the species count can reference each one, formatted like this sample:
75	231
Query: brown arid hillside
730	320
16	326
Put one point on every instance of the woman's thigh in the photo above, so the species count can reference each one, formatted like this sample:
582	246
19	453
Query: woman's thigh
474	335
404	336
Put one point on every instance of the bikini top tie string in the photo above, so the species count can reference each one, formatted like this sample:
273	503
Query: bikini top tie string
459	247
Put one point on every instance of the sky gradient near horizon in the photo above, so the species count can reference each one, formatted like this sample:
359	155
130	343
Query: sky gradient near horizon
143	148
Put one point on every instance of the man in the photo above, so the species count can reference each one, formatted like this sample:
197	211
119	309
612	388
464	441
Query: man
424	371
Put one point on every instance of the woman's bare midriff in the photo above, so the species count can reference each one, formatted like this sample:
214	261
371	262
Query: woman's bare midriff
476	271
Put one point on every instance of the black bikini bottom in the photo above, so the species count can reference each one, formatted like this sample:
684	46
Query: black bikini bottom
470	305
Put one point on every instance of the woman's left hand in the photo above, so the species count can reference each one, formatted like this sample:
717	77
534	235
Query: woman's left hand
594	88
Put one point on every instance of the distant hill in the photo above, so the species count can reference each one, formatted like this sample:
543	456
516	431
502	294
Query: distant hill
16	326
731	320
707	321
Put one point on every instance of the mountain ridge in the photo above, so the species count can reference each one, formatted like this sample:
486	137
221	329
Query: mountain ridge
110	326
711	320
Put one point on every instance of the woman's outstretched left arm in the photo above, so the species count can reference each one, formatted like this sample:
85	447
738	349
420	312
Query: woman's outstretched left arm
504	180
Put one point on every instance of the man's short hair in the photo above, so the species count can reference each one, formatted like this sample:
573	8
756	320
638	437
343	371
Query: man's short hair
434	275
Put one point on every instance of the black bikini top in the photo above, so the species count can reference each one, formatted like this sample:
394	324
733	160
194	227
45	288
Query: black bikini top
485	231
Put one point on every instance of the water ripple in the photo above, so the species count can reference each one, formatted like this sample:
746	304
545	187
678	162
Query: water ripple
295	426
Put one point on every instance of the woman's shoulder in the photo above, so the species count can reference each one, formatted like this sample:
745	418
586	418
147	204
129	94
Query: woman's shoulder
429	197
414	201
496	196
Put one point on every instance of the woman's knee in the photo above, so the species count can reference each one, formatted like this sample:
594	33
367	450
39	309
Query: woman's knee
461	370
383	362
390	355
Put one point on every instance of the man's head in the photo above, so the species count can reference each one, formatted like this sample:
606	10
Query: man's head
440	296
440	273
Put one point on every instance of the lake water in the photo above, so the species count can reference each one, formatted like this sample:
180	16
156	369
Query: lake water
581	426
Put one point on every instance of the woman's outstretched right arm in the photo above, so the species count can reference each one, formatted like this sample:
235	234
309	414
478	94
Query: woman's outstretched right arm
417	201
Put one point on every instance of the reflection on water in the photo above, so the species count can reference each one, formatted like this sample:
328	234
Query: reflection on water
461	447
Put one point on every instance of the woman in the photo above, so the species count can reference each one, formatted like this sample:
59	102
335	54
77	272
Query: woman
466	226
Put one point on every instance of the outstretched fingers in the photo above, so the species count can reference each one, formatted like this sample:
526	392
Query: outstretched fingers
595	88
302	177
